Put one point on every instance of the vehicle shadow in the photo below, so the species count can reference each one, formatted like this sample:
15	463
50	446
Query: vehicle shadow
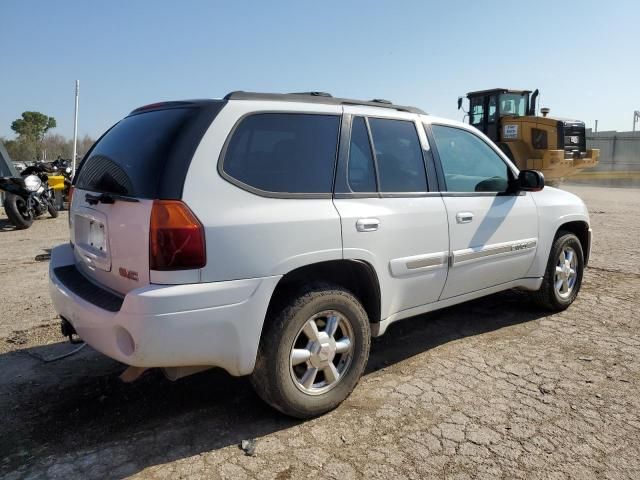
6	225
78	403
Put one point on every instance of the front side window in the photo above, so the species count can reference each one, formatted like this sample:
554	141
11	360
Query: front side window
284	152
398	156
513	104
468	163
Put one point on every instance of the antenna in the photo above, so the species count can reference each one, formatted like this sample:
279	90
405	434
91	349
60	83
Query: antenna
75	130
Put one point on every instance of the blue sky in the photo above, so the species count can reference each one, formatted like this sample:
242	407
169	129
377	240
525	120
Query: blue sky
583	56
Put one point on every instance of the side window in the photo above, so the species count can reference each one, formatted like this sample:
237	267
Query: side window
284	152
361	173
493	105
477	110
398	155
469	164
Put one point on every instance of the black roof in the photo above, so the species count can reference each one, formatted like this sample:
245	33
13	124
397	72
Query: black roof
319	97
496	91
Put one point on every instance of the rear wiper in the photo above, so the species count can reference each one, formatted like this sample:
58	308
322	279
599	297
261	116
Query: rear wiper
107	198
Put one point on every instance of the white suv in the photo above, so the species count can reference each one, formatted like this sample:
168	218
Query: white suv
273	235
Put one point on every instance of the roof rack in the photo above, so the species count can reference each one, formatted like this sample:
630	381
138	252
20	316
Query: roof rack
313	94
319	97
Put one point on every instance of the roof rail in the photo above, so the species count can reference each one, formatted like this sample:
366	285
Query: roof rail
319	97
313	94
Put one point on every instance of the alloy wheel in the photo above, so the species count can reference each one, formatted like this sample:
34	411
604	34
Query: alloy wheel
566	272
321	353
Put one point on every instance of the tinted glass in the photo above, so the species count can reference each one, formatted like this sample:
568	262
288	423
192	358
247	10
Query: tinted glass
492	109
284	152
361	172
469	164
399	156
130	159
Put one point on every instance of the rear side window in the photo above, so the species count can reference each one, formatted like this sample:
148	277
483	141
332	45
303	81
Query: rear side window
131	159
398	155
361	172
284	152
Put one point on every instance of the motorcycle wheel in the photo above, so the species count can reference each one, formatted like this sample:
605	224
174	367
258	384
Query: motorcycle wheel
52	209
17	212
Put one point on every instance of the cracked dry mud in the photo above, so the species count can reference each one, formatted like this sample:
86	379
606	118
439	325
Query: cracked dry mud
491	389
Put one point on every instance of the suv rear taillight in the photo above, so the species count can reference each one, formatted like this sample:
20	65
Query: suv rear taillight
176	237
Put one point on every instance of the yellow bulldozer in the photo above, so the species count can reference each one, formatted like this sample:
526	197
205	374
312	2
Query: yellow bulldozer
557	147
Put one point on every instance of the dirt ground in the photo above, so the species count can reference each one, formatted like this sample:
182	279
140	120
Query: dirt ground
491	389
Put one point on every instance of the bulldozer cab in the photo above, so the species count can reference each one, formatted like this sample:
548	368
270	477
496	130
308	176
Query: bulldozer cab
487	107
557	147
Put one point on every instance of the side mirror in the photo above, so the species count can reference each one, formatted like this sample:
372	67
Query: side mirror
459	103
530	181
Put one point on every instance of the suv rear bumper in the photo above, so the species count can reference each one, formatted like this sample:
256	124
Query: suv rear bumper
217	324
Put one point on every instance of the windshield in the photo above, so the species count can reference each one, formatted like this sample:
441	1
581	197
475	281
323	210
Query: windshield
513	104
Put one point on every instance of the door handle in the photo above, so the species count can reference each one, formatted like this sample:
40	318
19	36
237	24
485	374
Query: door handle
464	217
367	224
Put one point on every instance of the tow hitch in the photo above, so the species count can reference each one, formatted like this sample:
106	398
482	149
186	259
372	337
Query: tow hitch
69	331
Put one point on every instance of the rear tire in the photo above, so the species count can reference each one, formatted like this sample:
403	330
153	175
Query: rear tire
563	275
16	210
312	352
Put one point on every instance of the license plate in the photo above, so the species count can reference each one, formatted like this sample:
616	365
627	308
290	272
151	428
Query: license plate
574	139
91	234
96	235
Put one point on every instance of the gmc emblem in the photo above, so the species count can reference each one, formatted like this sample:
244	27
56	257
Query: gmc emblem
130	274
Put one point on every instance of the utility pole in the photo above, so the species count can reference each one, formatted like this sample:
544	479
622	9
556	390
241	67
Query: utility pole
596	130
75	129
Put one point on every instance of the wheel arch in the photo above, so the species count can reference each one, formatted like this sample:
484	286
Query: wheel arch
580	229
357	276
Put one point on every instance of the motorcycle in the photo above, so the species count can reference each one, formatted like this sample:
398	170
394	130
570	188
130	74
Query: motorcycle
62	167
28	196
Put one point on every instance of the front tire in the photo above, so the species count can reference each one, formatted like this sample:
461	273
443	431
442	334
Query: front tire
52	209
17	211
312	352
563	276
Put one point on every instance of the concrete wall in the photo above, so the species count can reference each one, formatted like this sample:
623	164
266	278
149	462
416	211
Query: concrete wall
619	151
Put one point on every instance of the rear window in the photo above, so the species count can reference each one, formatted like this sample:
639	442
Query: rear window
284	152
147	155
